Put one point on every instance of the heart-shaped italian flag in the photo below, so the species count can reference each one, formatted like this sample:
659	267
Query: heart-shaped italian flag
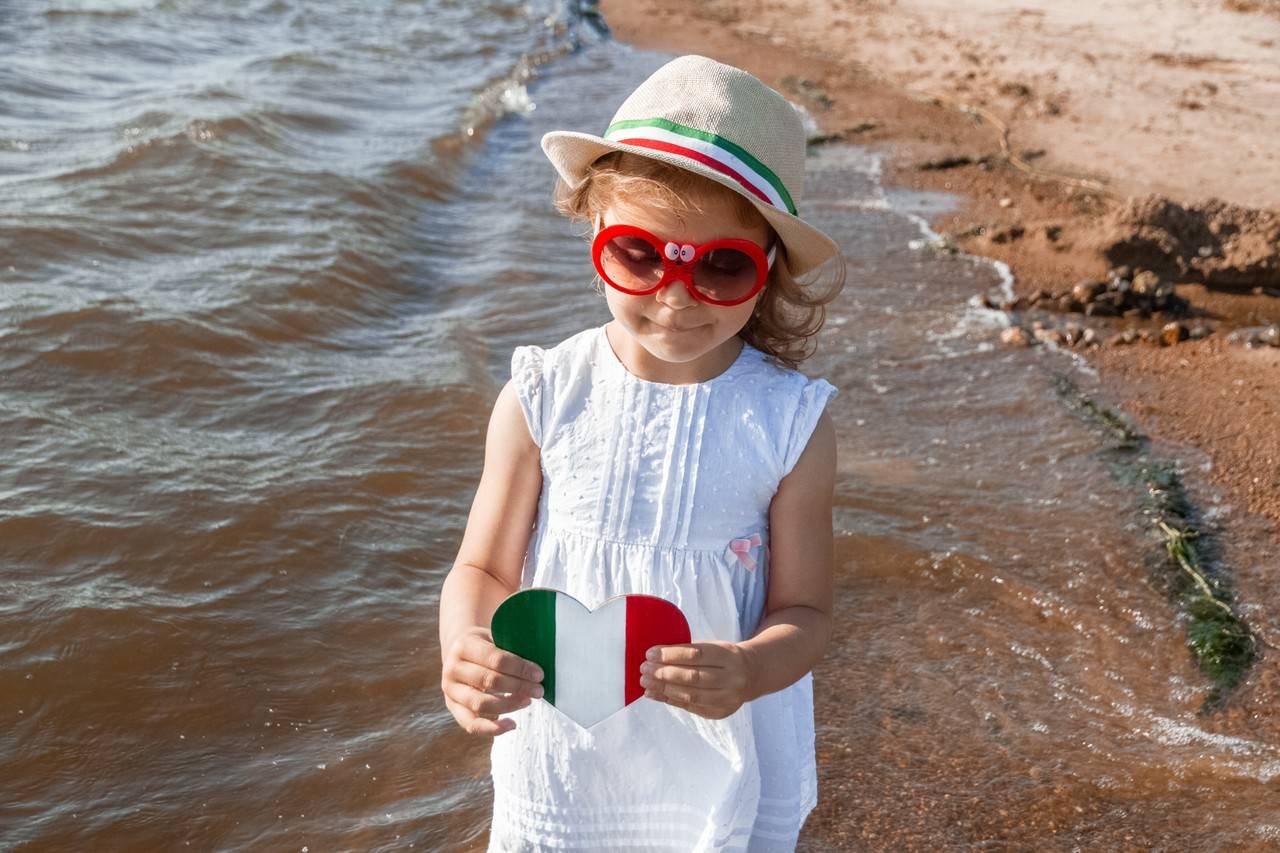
590	659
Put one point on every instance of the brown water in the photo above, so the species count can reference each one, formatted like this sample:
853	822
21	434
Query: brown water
263	270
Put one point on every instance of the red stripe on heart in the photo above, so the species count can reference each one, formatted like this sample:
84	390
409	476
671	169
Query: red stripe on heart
651	621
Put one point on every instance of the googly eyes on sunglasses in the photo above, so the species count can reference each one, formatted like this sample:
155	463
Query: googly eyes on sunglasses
720	272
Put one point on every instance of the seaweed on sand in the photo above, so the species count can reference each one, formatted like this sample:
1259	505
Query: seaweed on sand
1219	640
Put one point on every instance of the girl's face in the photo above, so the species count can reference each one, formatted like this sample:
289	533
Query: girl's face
669	335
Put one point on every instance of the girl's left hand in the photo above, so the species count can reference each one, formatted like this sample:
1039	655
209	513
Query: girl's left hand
710	679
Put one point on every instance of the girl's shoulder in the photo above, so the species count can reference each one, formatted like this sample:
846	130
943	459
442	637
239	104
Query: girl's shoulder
535	371
768	377
576	347
787	402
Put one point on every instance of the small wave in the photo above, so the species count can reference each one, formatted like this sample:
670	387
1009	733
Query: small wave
508	93
118	13
200	138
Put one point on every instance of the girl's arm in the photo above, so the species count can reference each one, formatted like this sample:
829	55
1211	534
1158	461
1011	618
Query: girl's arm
793	636
713	679
485	572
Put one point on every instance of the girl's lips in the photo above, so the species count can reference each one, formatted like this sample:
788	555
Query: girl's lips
674	328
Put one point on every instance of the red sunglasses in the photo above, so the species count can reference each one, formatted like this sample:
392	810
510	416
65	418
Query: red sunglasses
720	272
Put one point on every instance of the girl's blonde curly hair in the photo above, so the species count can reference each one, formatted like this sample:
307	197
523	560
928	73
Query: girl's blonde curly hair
790	311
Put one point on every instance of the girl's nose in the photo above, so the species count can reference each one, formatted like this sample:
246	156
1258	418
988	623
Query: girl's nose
675	294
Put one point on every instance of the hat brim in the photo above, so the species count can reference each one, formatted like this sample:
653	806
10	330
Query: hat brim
806	247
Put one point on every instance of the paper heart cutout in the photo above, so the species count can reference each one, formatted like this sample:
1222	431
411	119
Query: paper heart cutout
590	659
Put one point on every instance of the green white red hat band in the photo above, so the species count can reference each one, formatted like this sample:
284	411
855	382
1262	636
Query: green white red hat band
714	152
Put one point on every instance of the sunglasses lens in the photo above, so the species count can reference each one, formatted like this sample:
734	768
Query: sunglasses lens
631	263
726	274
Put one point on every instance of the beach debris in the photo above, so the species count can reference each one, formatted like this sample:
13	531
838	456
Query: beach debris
842	135
943	242
807	89
1015	90
1143	296
1256	336
1046	335
1172	333
1221	245
1015	336
1005	233
1123	338
954	162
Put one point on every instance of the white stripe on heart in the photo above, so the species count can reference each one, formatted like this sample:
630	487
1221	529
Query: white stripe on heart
590	651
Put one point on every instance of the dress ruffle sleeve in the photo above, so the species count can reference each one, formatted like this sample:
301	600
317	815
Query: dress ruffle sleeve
813	399
526	376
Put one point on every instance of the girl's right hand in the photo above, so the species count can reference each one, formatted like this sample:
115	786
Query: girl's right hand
476	672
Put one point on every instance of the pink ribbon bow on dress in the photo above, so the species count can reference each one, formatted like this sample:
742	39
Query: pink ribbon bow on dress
742	549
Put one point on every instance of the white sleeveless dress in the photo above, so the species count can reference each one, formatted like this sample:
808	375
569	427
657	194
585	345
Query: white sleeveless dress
645	484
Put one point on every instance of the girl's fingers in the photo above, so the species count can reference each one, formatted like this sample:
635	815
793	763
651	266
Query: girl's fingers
492	681
688	654
696	676
480	651
668	691
477	725
483	704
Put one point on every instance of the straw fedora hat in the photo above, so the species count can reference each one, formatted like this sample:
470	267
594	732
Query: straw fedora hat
722	123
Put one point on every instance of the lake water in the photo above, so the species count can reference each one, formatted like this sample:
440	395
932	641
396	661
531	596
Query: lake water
263	268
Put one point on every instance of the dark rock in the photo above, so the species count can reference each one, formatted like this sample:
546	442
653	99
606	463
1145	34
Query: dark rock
1006	233
1048	336
807	89
945	163
1145	283
1087	290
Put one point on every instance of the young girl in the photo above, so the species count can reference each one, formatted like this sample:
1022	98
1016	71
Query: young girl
676	452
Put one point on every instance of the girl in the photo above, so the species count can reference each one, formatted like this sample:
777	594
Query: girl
676	452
